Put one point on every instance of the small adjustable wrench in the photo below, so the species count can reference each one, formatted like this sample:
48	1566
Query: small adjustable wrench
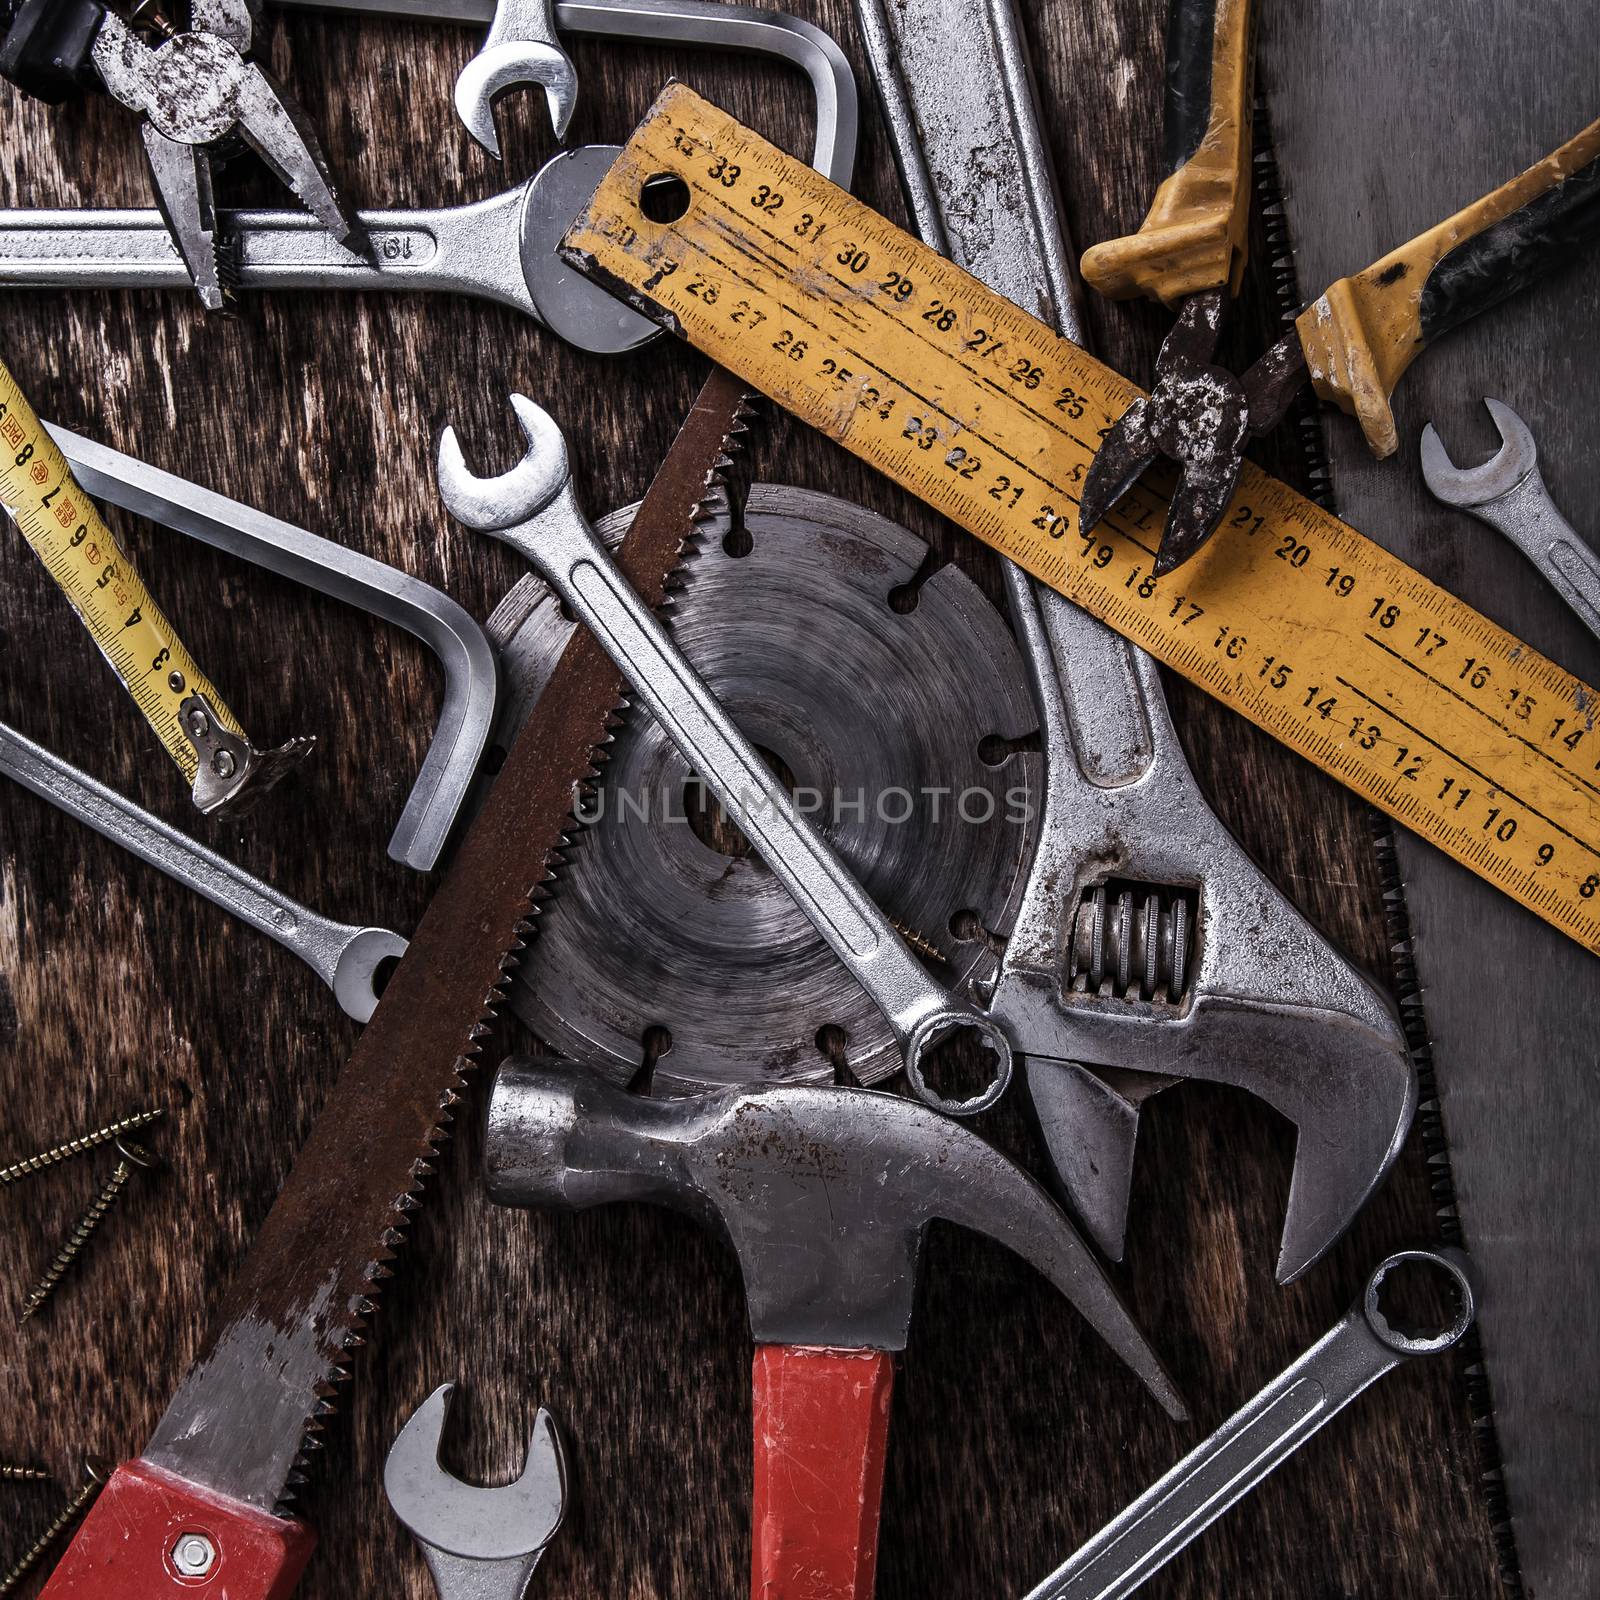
1508	493
480	1544
1358	1350
533	509
347	959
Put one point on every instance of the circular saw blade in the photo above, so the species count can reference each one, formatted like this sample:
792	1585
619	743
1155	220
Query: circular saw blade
877	712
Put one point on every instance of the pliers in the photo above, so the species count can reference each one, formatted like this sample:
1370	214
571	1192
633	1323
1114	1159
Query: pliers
198	93
1353	343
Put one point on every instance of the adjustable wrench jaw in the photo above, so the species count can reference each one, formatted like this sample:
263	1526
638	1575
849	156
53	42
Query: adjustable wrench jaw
1261	1001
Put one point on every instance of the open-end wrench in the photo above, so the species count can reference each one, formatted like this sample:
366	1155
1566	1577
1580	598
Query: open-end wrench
1358	1350
1147	939
522	48
346	958
500	249
466	714
534	509
480	1544
1508	493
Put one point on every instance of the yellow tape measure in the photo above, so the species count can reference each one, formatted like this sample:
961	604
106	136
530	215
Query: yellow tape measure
78	550
1383	679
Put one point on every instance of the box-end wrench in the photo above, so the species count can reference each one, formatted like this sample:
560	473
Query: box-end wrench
1254	1441
1508	492
466	714
346	958
480	1544
1147	939
534	509
500	249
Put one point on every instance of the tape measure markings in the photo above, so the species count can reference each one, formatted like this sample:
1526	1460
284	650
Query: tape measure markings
1328	642
65	530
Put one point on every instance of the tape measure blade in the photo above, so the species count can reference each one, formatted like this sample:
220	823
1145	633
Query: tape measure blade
1314	632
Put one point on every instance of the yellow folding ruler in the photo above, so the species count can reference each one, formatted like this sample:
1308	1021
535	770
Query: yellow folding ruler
1296	621
78	550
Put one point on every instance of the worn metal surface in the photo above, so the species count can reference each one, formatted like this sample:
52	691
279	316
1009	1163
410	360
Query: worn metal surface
1010	1443
662	923
1511	1007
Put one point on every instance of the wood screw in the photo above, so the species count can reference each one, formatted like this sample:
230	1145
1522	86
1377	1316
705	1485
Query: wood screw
133	1158
23	1475
94	1477
77	1147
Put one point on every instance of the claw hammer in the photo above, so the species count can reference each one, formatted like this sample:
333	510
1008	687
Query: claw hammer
825	1195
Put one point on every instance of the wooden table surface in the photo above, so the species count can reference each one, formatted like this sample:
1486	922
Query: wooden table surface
1015	1433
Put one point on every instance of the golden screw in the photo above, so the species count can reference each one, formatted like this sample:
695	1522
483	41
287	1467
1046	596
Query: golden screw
76	1147
23	1475
133	1157
94	1476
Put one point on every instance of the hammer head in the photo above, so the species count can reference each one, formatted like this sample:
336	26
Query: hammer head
824	1194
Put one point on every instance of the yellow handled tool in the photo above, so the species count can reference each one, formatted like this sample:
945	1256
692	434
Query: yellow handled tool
78	550
1194	238
1315	633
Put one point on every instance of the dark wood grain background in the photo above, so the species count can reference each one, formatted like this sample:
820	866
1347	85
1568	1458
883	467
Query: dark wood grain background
1015	1434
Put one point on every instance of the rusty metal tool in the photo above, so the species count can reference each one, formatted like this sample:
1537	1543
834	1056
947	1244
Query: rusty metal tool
348	959
480	1544
1363	1346
534	509
195	90
1352	344
227	1453
825	1195
501	249
1146	937
1508	493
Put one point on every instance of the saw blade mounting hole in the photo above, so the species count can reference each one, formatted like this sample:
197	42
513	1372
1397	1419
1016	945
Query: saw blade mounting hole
713	827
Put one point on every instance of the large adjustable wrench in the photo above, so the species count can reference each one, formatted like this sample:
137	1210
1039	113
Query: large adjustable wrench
534	509
1147	943
346	958
501	249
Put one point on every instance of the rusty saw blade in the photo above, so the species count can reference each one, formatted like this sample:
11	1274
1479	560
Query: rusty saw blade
282	1340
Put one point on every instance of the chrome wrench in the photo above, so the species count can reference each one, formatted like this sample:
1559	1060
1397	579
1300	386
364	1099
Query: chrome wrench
1147	940
480	1544
522	48
346	958
534	509
466	716
1359	1349
500	249
1508	492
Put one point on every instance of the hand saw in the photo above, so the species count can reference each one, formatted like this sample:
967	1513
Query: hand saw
223	1460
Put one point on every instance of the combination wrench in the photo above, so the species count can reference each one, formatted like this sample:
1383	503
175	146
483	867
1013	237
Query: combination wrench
1359	1349
501	249
1508	493
346	958
480	1544
1149	948
534	509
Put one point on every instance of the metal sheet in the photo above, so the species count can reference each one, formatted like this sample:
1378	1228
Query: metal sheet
1388	116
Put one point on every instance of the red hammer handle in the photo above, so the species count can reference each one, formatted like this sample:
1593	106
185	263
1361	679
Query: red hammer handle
821	1436
146	1523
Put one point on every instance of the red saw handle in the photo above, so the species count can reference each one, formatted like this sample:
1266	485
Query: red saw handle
147	1537
821	1434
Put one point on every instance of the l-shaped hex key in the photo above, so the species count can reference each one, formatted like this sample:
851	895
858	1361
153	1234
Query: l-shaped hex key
470	672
